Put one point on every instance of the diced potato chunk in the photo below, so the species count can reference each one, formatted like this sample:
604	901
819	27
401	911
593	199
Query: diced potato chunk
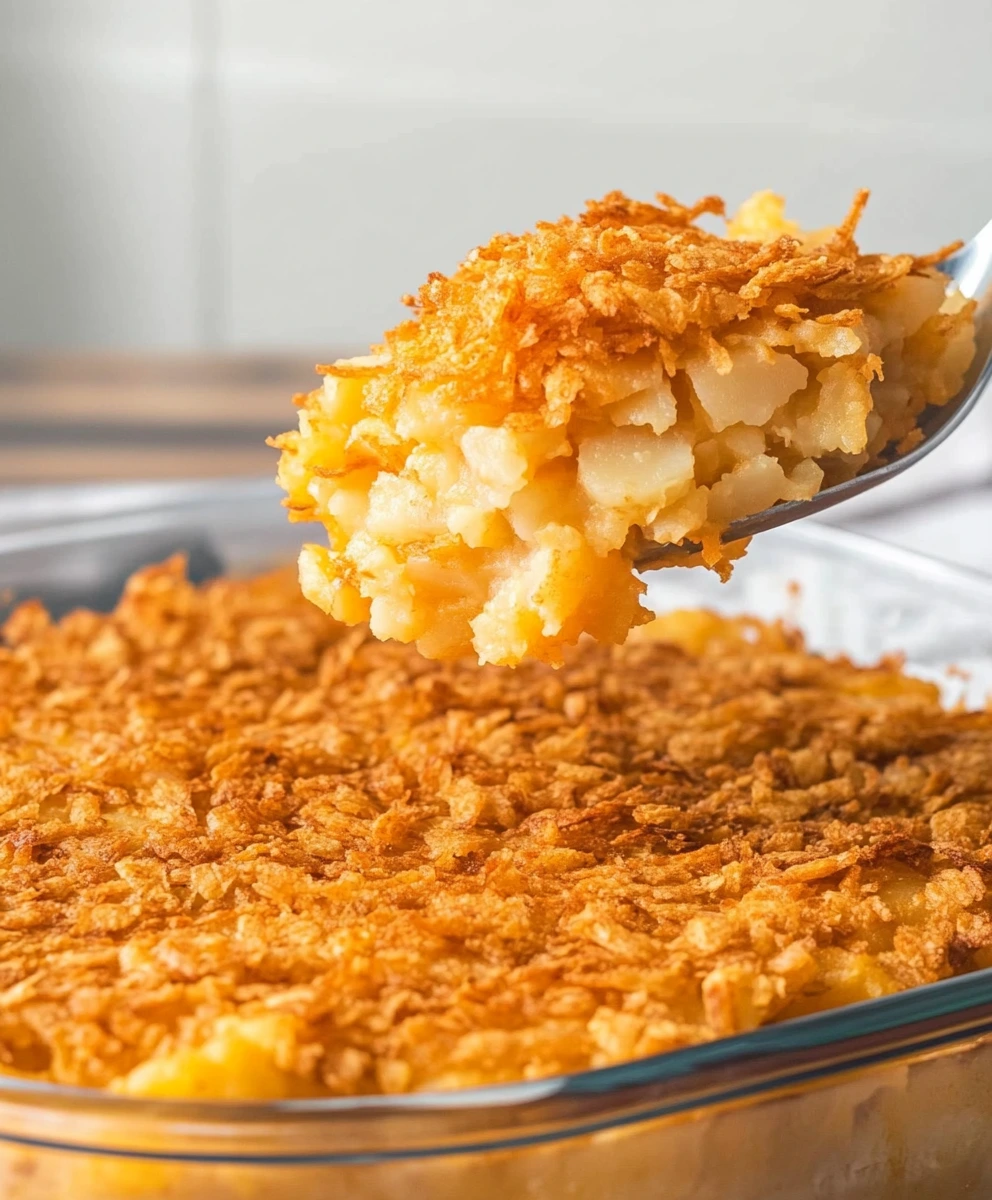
906	304
839	417
752	486
635	468
754	387
654	406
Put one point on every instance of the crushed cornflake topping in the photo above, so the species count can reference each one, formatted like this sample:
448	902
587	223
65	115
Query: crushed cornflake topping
249	852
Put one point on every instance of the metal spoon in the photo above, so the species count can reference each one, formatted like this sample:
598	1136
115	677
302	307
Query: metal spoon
970	271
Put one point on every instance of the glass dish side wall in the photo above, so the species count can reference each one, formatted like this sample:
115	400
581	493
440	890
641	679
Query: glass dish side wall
912	1128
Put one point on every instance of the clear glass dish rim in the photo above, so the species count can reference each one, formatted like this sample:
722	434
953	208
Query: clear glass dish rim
768	1058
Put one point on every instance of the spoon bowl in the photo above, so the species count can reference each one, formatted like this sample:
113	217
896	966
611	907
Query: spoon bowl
969	271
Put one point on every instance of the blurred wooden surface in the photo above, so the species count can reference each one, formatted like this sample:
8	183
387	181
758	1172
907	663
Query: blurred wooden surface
79	417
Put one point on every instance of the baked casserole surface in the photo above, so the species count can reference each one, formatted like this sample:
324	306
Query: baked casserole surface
249	852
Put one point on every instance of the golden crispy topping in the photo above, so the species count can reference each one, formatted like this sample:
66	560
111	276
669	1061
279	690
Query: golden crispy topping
248	852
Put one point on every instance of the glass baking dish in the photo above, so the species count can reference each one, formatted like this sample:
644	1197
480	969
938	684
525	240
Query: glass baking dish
881	1099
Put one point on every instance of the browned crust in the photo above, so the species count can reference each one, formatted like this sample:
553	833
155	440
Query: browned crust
217	801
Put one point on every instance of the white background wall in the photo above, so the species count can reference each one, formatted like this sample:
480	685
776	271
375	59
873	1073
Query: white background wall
276	173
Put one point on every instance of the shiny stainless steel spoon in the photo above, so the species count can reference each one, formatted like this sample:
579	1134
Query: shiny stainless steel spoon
970	271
